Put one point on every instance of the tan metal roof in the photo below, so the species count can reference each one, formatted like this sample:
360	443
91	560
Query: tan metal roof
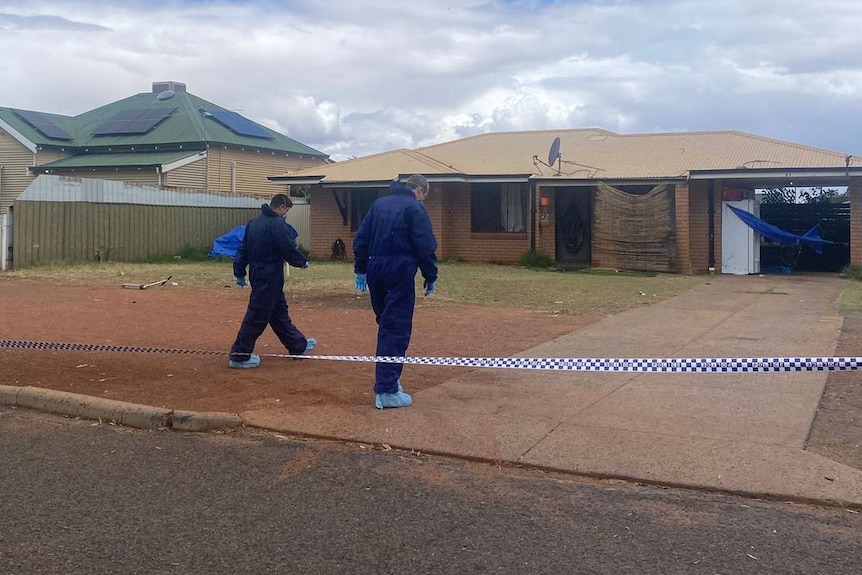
586	154
377	168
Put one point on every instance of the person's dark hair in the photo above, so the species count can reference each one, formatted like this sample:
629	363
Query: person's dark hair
279	200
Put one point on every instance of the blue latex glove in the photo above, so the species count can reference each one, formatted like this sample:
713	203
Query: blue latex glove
240	281
429	287
361	282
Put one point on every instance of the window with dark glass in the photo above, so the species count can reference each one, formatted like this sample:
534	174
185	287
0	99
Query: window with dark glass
498	208
360	203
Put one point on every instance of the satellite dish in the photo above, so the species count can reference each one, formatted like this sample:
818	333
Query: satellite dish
554	153
166	95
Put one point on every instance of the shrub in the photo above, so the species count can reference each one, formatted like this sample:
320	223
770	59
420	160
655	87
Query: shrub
532	259
188	253
192	254
853	272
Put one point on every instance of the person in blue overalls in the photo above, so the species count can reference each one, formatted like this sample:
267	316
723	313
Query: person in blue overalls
394	241
269	241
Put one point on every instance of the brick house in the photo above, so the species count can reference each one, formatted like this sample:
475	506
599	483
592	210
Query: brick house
586	197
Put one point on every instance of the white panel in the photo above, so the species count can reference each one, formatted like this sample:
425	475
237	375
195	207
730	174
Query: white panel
5	239
740	245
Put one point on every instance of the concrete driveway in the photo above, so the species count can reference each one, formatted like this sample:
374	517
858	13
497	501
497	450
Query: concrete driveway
734	432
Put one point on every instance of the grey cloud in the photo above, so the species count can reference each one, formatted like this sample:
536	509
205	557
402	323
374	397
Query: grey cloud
56	23
374	75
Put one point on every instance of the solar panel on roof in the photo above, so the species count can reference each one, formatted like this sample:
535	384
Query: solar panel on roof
133	121
131	127
44	124
129	114
238	124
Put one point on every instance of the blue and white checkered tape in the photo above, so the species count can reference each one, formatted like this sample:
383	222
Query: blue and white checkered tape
639	365
626	365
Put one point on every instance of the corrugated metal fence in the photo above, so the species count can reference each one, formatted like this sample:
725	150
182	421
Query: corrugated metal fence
299	217
75	220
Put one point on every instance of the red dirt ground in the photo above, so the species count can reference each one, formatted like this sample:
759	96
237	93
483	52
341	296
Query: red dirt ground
207	319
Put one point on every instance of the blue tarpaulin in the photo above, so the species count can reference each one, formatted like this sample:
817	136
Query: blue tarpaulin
228	244
811	238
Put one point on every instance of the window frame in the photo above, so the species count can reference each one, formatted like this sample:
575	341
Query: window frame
498	218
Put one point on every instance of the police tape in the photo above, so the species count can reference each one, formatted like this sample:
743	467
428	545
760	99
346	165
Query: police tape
631	365
624	365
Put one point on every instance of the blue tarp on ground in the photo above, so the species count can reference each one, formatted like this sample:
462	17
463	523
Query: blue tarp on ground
228	244
811	238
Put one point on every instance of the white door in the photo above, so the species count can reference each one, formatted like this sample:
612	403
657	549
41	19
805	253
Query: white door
740	245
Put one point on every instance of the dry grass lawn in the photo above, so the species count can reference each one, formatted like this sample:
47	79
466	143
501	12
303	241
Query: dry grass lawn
570	293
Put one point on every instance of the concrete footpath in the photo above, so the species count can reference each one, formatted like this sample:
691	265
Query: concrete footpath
740	433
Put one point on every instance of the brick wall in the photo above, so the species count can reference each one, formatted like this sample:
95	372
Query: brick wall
682	228
854	191
327	225
448	207
698	225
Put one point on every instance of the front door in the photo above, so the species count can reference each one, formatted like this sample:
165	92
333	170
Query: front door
574	214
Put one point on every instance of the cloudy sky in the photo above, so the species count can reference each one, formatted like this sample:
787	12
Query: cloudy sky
355	77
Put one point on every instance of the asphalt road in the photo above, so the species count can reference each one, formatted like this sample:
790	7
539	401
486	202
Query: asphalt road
84	497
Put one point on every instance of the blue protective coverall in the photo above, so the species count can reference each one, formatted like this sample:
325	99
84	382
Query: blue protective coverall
394	240
267	244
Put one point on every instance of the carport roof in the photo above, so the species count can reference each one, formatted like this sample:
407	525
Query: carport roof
588	155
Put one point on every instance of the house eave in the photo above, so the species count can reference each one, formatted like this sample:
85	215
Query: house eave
47	169
777	177
474	178
555	181
296	180
432	178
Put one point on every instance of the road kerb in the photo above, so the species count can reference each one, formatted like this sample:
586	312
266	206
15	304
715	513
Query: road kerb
121	412
203	421
9	395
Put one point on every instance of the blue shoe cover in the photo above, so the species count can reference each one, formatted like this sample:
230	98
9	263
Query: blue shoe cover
312	343
397	399
252	361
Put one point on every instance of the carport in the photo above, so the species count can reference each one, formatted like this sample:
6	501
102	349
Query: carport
839	223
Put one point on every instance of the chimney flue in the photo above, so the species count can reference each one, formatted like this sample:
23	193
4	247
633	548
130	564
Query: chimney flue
170	86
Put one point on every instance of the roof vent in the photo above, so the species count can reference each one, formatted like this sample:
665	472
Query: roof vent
170	86
166	95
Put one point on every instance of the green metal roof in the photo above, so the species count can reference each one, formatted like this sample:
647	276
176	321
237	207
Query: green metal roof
65	123
186	126
116	160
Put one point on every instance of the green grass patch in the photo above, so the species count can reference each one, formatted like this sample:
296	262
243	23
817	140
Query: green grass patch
509	286
851	298
569	293
187	254
615	272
